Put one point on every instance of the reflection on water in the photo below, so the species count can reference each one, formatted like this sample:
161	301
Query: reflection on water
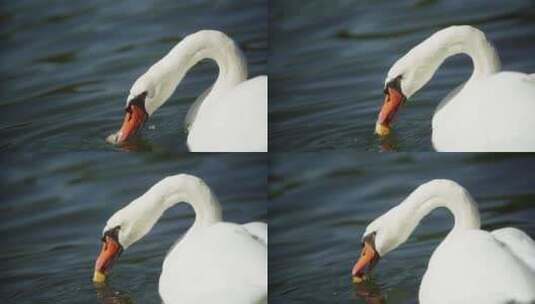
322	202
108	295
369	292
66	67
388	143
136	143
329	60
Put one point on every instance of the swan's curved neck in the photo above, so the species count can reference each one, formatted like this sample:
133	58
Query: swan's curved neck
192	190
462	40
419	65
437	194
206	44
182	188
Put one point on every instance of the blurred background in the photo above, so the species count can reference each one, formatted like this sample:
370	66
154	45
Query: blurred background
321	203
55	205
66	67
329	60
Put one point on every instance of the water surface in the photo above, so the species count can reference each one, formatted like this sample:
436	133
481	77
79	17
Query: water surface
66	67
321	203
55	205
329	60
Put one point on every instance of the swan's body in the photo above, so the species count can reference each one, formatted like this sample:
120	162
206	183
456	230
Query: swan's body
231	116
477	267
237	125
224	263
214	262
470	265
489	112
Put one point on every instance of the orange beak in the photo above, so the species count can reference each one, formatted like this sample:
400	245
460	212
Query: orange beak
110	251
133	121
393	100
368	258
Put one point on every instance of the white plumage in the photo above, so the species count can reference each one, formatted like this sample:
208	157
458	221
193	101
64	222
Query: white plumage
492	111
470	265
215	261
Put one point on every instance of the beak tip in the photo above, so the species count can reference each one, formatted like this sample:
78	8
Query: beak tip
114	138
357	276
358	279
99	277
381	129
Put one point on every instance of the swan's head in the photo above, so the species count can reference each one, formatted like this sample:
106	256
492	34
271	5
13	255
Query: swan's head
144	98
381	236
123	229
109	253
129	224
408	75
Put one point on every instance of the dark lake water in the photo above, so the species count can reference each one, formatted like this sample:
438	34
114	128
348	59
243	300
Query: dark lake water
320	204
66	67
55	205
329	60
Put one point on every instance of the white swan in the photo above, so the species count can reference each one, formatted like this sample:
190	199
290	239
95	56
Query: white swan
492	111
470	265
231	116
214	262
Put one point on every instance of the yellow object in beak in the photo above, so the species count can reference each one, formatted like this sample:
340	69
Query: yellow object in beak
99	277
361	279
381	129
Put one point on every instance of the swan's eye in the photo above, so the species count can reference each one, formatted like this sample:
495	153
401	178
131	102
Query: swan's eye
112	233
139	100
394	83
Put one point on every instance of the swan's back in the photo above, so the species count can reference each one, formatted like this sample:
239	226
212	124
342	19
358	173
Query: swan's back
223	263
258	229
236	121
472	266
490	114
518	243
